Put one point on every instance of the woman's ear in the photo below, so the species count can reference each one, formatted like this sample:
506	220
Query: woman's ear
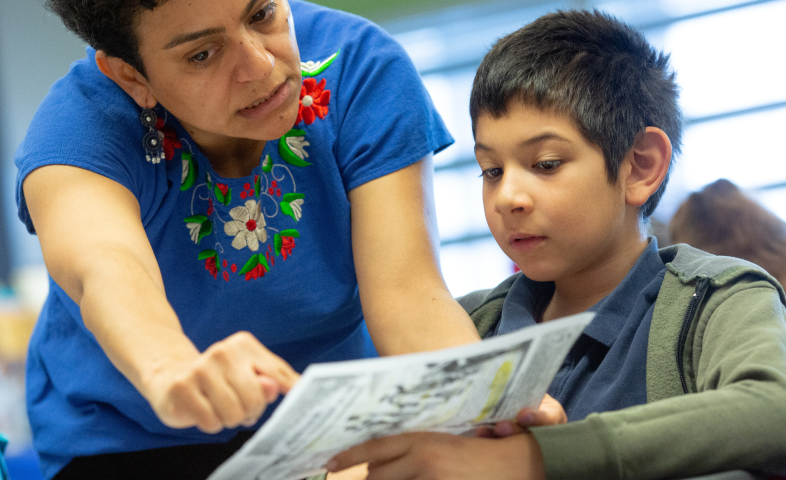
649	161
126	77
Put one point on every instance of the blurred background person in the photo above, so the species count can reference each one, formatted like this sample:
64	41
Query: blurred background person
721	219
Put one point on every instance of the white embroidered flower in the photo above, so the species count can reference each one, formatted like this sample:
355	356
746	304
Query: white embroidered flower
193	230
311	67
297	208
247	226
298	146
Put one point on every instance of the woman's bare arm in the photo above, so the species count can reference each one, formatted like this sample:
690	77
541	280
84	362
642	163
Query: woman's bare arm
394	238
96	249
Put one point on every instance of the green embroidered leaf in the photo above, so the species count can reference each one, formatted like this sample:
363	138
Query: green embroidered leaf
205	254
286	209
277	242
264	263
286	152
311	69
267	164
293	196
250	265
257	186
290	233
207	229
196	219
225	199
191	176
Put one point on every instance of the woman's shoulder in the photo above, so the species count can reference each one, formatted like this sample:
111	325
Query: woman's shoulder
82	107
323	31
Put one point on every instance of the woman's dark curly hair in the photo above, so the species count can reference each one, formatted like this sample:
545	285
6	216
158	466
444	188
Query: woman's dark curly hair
108	25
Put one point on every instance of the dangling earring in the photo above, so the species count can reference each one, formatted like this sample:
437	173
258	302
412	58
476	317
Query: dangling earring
152	140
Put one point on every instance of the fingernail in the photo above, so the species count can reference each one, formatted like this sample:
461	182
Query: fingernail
528	420
504	429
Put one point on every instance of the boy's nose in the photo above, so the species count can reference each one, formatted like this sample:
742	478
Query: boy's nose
254	62
512	195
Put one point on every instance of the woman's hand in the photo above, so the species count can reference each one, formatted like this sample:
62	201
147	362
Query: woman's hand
438	456
228	385
550	412
358	472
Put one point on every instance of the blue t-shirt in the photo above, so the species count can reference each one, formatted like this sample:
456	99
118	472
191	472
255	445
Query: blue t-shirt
606	368
269	253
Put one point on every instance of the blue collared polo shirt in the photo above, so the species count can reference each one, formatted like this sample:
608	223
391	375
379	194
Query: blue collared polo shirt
606	368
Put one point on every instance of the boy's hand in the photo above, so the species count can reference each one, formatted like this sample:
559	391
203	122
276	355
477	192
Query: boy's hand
550	412
228	385
438	456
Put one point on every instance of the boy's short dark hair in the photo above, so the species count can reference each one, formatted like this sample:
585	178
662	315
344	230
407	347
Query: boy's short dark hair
108	25
589	66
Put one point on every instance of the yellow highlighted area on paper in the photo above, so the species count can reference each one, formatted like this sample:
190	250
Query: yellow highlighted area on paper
496	389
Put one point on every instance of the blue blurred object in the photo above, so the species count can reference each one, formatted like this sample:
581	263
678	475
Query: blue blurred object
23	465
3	469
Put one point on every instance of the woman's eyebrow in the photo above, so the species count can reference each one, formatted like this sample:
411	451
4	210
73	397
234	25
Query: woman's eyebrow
190	37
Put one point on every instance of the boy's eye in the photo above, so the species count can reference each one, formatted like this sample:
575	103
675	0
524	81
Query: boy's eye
491	173
548	165
265	13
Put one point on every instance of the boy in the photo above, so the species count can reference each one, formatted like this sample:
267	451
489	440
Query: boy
683	370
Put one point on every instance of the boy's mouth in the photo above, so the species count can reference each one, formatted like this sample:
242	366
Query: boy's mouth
524	243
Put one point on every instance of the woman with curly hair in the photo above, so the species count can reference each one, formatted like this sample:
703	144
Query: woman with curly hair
218	187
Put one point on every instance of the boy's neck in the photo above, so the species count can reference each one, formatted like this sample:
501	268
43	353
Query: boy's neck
581	291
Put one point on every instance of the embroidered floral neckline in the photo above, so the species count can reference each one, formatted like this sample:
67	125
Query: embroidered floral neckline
246	226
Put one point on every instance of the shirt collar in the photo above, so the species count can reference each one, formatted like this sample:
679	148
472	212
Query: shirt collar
527	297
614	310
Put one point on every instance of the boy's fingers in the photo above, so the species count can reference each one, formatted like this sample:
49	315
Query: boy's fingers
377	451
485	432
553	411
507	428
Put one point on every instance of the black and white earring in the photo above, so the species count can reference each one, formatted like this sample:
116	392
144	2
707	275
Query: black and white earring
153	139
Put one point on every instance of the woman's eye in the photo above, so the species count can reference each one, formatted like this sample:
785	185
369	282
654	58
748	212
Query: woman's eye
201	58
491	173
548	165
265	13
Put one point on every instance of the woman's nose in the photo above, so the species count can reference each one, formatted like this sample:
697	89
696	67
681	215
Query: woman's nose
254	62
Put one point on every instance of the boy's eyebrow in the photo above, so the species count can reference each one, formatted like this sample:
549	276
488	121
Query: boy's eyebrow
528	142
190	37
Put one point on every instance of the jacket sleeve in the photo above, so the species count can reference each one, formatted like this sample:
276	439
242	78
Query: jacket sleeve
735	420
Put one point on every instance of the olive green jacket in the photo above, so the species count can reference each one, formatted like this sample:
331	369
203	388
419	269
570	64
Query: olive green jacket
716	380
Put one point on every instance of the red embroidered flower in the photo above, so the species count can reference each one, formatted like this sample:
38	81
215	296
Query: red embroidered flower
256	272
287	244
210	266
170	141
223	187
314	100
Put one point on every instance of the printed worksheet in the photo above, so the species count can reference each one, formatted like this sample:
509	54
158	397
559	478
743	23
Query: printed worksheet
337	405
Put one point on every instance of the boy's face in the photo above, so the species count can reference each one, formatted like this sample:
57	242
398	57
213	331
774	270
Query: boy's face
547	198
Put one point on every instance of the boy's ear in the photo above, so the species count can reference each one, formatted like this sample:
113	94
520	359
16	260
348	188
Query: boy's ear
649	161
126	77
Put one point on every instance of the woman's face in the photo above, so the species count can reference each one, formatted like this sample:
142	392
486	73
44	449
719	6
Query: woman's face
226	69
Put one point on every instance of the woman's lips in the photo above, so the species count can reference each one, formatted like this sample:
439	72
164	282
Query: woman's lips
523	243
261	108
